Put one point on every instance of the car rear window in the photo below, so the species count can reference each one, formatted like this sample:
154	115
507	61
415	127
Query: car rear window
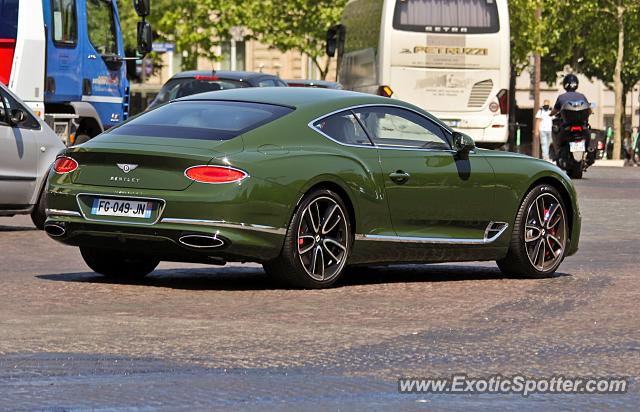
207	120
177	88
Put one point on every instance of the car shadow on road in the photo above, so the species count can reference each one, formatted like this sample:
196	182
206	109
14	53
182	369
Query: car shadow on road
16	228
254	278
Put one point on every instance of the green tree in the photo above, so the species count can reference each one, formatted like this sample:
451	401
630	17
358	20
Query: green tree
529	35
601	39
299	25
195	26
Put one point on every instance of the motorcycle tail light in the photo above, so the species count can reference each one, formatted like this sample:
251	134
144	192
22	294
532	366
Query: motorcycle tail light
503	100
64	164
215	174
575	129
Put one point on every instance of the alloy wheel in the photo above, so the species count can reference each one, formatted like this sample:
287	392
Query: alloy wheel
545	234
323	239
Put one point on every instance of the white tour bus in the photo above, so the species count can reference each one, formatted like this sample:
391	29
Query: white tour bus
449	57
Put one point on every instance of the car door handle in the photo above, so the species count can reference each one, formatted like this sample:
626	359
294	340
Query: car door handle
400	176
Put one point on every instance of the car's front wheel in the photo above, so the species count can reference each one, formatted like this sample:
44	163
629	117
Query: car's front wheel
317	243
540	235
117	264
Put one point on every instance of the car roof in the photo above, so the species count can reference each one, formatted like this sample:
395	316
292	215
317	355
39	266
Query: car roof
224	74
297	97
320	83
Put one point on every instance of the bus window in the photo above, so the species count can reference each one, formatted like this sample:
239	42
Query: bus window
447	16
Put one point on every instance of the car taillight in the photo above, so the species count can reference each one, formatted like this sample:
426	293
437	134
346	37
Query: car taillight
65	164
503	101
207	78
215	174
575	129
385	91
600	145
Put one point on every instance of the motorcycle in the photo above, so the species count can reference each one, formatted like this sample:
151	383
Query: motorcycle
573	150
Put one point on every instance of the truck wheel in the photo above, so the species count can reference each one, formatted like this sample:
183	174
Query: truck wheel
118	265
39	213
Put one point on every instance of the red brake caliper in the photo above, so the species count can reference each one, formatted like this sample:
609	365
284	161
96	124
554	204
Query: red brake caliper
547	252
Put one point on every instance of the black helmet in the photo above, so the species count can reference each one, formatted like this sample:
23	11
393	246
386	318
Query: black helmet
570	82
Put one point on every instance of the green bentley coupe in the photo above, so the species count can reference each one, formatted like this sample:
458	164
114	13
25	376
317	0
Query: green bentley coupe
305	182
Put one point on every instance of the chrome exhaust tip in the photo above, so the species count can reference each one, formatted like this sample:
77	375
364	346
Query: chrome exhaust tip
201	241
55	229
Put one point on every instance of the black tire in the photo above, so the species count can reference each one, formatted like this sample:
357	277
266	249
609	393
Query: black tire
39	212
118	265
290	267
81	138
518	263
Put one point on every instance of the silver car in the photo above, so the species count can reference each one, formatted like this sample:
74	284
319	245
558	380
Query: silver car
28	148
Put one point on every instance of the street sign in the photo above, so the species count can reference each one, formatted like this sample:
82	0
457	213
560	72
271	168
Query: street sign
164	47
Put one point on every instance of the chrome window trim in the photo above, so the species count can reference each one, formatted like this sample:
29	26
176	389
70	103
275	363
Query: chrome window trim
162	203
61	212
436	240
375	146
224	223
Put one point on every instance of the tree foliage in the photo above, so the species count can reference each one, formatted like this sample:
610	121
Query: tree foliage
299	25
195	26
530	35
601	39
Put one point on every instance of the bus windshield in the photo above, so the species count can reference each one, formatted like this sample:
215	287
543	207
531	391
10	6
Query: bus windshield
447	16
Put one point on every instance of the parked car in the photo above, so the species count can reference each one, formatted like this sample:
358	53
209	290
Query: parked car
305	181
320	84
201	81
28	148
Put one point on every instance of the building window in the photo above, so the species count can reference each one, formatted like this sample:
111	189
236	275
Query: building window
227	53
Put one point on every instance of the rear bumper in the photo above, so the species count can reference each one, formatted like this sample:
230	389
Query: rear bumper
237	241
246	219
482	128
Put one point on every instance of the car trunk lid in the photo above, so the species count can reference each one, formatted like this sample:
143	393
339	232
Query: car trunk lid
155	164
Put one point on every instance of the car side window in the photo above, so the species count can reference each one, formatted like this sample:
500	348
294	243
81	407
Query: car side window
267	83
395	127
344	128
9	104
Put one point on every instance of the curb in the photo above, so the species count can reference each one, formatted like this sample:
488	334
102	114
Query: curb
609	163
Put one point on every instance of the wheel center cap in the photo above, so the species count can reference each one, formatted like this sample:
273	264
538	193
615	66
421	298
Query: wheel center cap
544	232
318	239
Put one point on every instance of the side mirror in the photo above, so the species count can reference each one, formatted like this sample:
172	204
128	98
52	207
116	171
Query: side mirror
142	7
335	36
145	38
463	144
17	116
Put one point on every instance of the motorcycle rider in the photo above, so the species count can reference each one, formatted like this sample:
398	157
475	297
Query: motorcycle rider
570	84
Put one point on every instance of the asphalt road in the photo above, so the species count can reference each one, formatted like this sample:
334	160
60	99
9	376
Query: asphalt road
193	337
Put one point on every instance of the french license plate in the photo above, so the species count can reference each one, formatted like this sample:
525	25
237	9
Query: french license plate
451	122
576	146
122	208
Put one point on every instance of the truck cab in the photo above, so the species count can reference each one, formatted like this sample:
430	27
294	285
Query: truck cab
66	61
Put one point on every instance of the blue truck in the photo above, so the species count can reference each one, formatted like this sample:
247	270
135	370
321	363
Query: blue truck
66	60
